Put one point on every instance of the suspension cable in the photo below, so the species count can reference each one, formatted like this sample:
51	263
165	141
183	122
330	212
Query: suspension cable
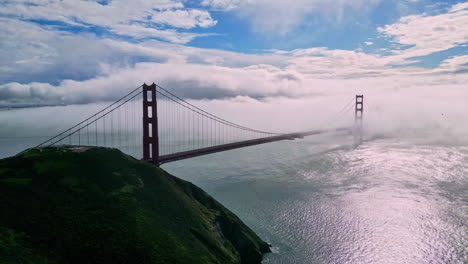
210	116
216	117
50	139
96	119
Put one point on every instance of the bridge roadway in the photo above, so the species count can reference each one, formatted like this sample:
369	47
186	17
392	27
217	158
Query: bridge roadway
241	144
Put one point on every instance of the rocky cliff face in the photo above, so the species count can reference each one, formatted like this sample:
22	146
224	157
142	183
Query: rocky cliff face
97	205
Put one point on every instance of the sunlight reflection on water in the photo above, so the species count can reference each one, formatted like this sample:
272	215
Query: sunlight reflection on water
381	202
323	200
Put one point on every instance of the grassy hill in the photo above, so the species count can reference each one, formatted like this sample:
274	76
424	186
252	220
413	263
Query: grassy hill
98	205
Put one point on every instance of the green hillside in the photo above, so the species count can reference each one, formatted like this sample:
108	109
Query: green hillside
98	205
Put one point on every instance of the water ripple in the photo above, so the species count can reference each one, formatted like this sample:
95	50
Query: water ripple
379	202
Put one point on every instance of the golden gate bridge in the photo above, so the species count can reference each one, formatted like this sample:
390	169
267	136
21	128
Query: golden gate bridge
155	125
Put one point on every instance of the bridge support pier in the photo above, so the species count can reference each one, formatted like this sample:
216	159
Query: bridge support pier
150	124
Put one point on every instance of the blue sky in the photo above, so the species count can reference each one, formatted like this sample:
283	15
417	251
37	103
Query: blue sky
52	51
351	32
235	33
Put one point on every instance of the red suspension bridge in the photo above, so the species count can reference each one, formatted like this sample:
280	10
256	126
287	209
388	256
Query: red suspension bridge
155	125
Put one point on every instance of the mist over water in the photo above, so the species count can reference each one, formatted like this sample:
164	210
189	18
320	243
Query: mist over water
325	200
399	196
322	199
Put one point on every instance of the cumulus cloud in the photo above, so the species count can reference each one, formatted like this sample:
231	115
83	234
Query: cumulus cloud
458	64
30	53
43	66
184	18
418	105
104	68
138	31
223	4
138	19
424	34
326	72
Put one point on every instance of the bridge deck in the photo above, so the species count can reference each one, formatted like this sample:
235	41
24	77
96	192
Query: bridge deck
241	144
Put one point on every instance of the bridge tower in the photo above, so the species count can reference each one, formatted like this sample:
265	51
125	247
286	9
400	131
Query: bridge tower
358	113
359	108
150	124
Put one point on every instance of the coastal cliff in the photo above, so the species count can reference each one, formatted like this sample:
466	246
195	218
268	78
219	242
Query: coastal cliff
98	205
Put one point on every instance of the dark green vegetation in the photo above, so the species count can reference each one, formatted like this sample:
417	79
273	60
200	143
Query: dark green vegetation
60	205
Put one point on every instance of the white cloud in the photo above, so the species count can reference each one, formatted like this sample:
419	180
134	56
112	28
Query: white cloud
30	52
223	4
425	34
139	18
184	18
140	31
85	68
458	64
459	7
281	17
192	73
412	102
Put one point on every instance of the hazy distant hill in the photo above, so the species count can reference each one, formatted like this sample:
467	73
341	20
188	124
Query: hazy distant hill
97	205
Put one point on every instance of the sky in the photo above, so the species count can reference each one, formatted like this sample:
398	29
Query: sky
408	56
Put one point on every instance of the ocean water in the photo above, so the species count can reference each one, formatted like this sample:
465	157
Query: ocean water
327	200
321	199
